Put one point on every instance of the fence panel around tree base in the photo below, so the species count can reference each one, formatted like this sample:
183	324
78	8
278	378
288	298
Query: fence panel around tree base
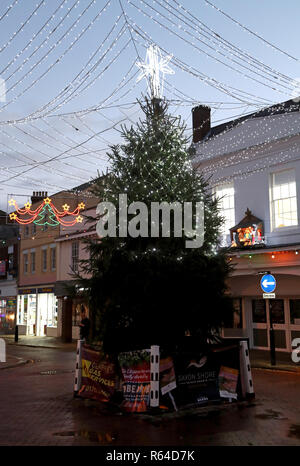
158	377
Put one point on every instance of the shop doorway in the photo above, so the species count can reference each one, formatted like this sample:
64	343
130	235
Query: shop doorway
285	315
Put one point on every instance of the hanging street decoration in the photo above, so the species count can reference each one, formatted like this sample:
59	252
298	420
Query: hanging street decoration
155	65
46	214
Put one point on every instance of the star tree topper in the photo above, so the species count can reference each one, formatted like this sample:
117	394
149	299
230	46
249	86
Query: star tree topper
154	66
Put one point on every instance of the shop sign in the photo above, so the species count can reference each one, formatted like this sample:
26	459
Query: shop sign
49	289
27	291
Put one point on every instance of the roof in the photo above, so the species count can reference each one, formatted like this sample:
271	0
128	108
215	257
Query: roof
289	106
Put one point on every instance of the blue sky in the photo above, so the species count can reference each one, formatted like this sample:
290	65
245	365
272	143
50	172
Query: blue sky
39	154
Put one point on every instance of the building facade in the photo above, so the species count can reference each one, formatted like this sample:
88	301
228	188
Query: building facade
71	250
38	311
253	164
9	246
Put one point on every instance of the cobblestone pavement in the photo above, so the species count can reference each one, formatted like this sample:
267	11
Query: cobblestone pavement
37	408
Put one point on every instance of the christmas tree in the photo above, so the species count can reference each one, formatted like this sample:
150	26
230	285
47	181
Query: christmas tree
147	290
46	217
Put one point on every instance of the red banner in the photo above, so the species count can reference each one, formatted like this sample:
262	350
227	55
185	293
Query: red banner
135	366
98	377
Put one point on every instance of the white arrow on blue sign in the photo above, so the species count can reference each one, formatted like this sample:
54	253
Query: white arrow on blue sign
268	283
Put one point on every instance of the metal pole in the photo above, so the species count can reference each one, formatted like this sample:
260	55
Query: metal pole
16	333
272	338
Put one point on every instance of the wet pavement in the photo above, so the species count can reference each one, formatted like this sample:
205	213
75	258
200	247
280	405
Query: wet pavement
37	408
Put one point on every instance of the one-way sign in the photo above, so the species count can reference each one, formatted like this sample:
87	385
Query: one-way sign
268	283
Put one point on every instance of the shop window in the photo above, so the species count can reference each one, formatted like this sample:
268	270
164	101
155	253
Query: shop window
225	194
10	262
25	259
277	311
53	258
32	262
295	311
75	256
237	321
283	199
44	260
259	314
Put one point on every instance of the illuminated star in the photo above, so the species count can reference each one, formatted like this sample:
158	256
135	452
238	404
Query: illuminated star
155	64
13	216
81	205
12	202
66	207
79	219
27	205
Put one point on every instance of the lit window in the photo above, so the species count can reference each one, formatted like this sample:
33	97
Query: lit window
283	199
225	194
75	255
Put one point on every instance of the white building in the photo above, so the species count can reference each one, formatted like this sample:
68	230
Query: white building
254	163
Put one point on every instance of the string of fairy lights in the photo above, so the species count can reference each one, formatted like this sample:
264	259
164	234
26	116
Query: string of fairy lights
66	135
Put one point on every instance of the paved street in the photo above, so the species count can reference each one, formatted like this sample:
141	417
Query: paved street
37	408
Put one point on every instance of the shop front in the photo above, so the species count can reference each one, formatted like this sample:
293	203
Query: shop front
8	306
37	311
282	312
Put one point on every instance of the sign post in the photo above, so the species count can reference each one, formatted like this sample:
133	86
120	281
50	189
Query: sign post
268	285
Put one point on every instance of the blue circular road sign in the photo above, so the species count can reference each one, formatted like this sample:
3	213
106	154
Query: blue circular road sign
268	283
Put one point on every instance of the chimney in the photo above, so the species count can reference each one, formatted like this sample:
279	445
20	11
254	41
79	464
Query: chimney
201	122
38	196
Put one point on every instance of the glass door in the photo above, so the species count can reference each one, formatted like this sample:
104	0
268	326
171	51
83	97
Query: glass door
267	312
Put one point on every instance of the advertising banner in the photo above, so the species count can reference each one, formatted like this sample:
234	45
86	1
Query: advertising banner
135	367
208	376
167	375
228	379
98	378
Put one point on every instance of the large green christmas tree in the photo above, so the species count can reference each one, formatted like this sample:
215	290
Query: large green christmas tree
147	290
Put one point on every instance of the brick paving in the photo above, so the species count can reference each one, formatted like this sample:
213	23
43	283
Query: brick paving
37	408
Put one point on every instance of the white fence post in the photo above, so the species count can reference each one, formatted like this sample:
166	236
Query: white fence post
154	377
246	375
78	369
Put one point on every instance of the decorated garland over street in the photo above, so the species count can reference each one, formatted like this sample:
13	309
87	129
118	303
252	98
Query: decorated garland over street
46	214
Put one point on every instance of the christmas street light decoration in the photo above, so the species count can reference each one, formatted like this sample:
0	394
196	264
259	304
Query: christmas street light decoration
46	214
155	65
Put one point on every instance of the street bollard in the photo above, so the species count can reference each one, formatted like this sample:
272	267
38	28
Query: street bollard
154	377
16	333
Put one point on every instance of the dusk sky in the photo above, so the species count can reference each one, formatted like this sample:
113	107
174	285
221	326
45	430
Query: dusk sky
69	68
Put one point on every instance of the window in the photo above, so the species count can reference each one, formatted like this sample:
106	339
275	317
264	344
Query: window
53	258
33	229
225	194
295	311
32	261
25	259
10	262
75	255
26	230
44	260
283	199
